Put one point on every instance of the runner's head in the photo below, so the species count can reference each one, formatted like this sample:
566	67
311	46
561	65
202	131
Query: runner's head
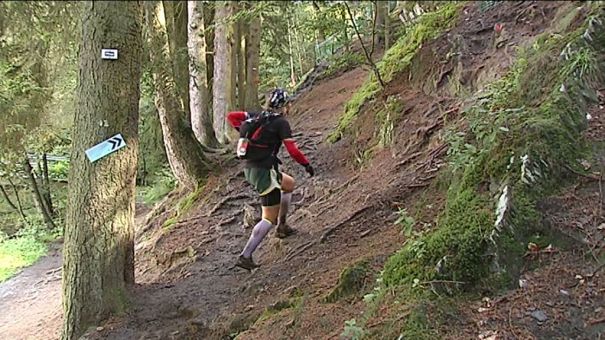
278	101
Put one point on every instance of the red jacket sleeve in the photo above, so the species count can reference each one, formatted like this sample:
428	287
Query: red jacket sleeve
294	152
236	118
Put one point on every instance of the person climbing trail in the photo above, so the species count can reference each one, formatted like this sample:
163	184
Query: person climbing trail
261	136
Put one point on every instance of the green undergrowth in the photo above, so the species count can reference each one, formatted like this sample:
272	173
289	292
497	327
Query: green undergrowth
343	63
23	249
523	132
183	206
162	183
396	60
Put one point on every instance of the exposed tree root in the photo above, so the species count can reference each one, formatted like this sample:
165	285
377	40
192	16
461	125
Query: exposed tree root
299	250
337	189
330	230
218	205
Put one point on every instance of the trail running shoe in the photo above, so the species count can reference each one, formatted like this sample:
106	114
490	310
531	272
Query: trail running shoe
246	263
284	230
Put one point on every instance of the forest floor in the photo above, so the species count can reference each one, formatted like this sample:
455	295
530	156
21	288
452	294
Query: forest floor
187	285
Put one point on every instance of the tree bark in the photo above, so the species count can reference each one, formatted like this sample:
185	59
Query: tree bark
293	78
46	181
374	23
37	194
181	57
253	63
240	48
209	10
201	116
233	38
223	69
99	231
387	26
380	16
185	156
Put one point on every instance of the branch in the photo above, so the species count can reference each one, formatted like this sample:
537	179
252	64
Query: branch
363	46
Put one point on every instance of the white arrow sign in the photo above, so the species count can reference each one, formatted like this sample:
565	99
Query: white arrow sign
106	147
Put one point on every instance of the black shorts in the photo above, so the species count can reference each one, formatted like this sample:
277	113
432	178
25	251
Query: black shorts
271	199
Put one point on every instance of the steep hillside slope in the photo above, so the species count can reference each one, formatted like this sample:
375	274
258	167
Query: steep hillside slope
406	170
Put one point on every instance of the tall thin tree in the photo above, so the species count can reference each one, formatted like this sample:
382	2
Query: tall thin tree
185	155
223	96
199	101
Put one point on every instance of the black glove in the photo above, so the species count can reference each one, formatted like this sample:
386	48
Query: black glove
309	170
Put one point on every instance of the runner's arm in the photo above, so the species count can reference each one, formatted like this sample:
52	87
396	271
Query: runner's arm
294	152
236	118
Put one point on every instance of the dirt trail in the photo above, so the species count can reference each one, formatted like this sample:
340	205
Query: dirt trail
31	301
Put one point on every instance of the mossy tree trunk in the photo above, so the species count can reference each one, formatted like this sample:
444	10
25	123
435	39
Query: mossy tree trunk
252	63
240	49
180	55
199	102
380	18
98	247
223	96
387	26
185	155
209	10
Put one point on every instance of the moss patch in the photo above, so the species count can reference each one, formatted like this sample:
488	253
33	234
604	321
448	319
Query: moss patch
352	280
396	60
183	206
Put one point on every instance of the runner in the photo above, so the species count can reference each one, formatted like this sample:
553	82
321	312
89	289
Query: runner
261	136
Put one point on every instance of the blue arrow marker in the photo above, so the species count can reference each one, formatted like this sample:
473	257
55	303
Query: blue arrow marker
104	148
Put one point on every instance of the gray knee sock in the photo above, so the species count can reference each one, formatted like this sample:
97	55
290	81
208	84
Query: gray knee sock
284	205
258	233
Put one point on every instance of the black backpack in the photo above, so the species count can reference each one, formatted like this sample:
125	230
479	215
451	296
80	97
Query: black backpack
249	146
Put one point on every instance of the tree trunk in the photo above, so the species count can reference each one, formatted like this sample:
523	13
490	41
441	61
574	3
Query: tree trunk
18	209
365	50
181	57
387	26
223	69
185	156
321	34
46	181
343	15
252	63
18	199
380	22
99	231
209	10
293	79
37	195
374	23
233	38
201	116
8	199
240	48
